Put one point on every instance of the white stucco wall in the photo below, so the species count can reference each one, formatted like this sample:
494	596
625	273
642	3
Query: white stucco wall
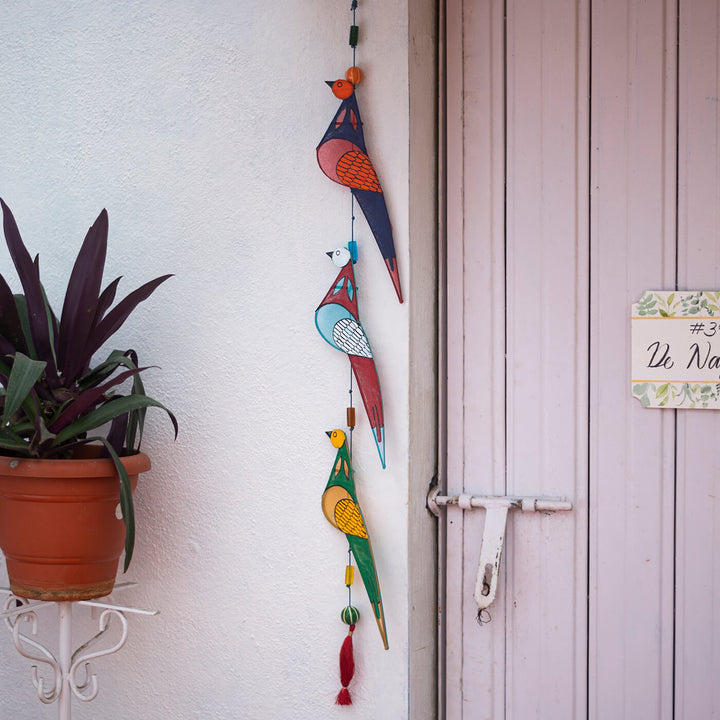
195	123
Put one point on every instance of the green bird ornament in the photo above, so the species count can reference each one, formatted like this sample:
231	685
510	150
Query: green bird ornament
341	508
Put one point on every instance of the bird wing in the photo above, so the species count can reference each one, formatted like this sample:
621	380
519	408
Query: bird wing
331	497
350	337
341	466
355	170
349	519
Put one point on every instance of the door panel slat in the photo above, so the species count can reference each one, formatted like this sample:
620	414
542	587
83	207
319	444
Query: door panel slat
697	658
632	449
547	311
475	361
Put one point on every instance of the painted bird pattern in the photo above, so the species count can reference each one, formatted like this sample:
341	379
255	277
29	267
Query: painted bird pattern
342	510
343	157
337	320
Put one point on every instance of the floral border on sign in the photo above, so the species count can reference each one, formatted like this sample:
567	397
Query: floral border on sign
695	395
678	304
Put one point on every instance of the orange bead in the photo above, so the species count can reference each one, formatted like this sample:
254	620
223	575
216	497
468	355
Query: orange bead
354	75
351	417
343	89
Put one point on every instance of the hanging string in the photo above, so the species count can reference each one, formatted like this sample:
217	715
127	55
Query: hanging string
352	245
350	419
349	577
354	30
350	614
353	41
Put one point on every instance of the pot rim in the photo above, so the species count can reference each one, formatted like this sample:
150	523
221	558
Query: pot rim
72	467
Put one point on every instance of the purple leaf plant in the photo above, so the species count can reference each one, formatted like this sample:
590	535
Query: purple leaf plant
52	399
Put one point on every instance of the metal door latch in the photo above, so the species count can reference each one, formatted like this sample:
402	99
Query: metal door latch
494	533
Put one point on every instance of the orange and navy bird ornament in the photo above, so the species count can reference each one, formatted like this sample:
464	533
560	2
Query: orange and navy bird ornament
343	157
342	510
337	320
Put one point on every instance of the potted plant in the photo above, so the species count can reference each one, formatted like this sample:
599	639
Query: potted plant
70	436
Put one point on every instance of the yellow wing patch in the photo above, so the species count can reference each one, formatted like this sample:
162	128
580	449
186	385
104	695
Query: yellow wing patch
349	518
330	499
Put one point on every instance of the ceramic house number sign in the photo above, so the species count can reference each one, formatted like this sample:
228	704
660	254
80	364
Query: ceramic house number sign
676	349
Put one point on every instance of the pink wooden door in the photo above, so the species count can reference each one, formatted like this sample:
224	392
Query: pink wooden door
583	167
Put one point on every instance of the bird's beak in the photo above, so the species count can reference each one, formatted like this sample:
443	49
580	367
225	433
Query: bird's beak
329	83
328	433
330	253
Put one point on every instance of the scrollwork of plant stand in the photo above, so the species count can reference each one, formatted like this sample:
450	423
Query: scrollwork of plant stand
71	671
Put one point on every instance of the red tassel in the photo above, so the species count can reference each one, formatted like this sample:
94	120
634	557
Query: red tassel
347	669
343	697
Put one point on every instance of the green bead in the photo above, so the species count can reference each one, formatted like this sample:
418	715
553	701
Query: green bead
350	615
354	32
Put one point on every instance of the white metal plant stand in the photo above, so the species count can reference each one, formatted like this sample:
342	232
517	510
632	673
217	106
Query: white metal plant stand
71	670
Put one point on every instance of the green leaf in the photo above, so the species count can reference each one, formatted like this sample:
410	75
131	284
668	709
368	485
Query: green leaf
126	501
25	324
105	369
23	376
13	443
136	419
105	413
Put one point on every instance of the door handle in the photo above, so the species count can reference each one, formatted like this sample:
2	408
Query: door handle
493	538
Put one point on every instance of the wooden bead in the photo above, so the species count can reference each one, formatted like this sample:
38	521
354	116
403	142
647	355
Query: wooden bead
349	575
351	417
354	75
350	615
354	35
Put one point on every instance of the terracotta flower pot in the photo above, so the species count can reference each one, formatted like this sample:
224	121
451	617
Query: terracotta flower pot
61	529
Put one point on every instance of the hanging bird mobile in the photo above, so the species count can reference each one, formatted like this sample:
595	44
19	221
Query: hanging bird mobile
340	507
337	320
343	157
